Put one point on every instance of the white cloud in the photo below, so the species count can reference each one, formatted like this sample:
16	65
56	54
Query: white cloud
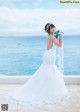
27	21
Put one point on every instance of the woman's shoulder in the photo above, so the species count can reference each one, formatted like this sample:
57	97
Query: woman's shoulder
52	36
49	39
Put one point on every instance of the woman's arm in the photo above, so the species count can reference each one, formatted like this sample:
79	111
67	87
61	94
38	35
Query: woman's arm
58	43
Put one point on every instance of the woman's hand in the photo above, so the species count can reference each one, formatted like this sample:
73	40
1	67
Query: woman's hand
61	36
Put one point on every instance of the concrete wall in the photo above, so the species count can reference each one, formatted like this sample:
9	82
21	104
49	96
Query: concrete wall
69	79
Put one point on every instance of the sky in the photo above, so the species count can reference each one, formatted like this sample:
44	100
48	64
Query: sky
28	17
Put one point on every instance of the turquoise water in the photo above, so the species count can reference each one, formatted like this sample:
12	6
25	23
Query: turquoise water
22	55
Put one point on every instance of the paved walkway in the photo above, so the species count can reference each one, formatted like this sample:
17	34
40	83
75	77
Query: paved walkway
71	105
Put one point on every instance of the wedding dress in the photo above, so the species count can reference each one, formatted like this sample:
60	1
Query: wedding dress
46	86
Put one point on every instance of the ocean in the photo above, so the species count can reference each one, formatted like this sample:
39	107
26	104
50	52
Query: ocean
22	55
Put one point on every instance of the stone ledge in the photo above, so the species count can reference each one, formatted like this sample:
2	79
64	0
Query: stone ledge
69	79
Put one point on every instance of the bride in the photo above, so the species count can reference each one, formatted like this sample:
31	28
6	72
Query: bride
47	85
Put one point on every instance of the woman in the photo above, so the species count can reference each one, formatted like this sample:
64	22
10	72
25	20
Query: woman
46	85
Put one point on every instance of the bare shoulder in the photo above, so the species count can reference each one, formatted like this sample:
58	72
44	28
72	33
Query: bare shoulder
49	38
53	37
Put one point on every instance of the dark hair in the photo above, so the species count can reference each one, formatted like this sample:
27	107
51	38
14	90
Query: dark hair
48	26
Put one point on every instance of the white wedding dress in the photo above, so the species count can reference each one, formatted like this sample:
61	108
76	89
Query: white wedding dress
46	86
